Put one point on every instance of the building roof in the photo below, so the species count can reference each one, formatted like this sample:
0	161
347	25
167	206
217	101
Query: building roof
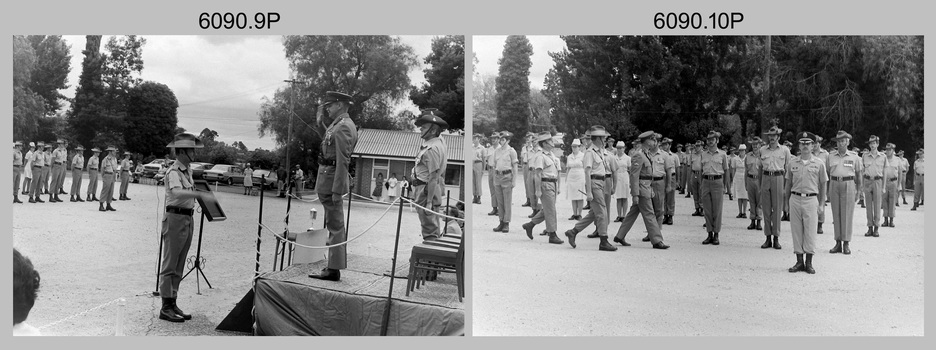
403	144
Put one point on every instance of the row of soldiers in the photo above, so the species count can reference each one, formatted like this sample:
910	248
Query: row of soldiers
43	170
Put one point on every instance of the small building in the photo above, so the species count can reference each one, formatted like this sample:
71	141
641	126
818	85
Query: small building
391	152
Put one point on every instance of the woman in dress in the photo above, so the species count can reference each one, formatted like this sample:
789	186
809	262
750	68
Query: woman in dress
248	179
378	187
575	180
622	191
392	190
737	185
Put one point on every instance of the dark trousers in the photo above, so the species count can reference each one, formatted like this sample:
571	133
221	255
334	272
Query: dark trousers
646	207
334	221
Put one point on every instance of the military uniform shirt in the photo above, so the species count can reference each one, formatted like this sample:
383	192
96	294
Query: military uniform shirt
124	165
38	159
714	163
178	176
671	161
17	158
429	159
504	158
548	162
842	166
918	167
806	175
594	159
59	155
48	158
873	165
109	165
892	168
696	160
752	164
774	159
78	161
489	154
93	163
659	166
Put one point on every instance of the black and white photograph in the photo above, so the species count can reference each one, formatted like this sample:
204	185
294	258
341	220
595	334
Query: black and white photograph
238	185
698	185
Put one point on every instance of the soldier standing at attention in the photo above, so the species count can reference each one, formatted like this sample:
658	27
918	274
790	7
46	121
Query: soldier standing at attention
338	141
919	169
823	156
477	168
844	167
77	165
669	199
806	190
505	170
646	195
774	160
428	172
525	152
714	182
873	175
125	165
93	165
903	176
489	163
752	179
545	174
59	156
108	169
695	162
596	168
38	163
17	169
892	168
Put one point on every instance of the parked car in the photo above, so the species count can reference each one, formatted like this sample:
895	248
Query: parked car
198	169
151	169
269	181
225	173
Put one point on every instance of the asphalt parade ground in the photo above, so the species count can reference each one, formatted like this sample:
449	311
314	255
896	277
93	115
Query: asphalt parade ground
88	259
533	288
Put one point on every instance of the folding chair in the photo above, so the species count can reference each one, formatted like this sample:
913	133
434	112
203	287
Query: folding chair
437	256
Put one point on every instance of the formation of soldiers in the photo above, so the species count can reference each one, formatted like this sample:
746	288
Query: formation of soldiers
772	182
42	172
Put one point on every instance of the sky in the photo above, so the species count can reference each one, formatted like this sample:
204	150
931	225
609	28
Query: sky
220	80
489	49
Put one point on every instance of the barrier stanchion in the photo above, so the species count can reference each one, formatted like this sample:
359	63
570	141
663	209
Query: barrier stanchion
448	196
121	308
396	246
259	227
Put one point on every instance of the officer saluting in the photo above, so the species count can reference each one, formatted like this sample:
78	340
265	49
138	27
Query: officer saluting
805	190
844	167
77	165
338	140
429	172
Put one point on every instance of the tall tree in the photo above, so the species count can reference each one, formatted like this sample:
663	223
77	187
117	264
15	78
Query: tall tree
445	80
151	118
88	107
484	108
513	87
28	106
53	63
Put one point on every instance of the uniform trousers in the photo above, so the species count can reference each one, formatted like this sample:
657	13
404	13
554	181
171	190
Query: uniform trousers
177	230
804	221
334	222
548	213
713	195
76	182
658	200
124	182
59	177
772	203
529	186
477	171
609	194
503	192
428	220
842	197
491	188
35	187
669	203
695	185
17	171
917	189
683	176
92	182
753	189
107	191
889	200
46	171
647	207
872	194
598	212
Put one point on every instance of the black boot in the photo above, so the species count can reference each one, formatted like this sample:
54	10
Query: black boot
179	312
101	207
799	264
767	243
809	269
535	211
506	227
554	239
71	199
605	246
527	204
570	234
697	212
593	234
327	274
32	200
870	232
52	199
493	212
786	216
759	227
715	239
819	231
78	198
708	240
500	226
845	249
776	242
16	199
915	205
751	226
168	313
39	200
837	248
528	227
621	241
892	222
110	208
875	233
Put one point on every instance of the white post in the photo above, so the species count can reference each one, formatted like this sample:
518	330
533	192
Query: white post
121	306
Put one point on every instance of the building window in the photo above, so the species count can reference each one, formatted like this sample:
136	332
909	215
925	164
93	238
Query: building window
453	176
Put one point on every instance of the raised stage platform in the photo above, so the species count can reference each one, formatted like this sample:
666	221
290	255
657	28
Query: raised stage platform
290	303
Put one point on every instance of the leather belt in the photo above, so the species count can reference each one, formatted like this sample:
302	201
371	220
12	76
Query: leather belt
773	173
804	194
17	166
58	163
920	174
546	179
108	172
503	172
92	168
892	179
873	177
37	166
843	178
478	161
418	182
598	177
711	177
182	211
652	178
752	176
327	162
45	166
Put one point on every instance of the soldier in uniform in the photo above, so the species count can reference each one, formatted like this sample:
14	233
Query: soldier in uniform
903	176
477	168
525	152
596	169
93	165
38	164
646	191
892	168
823	156
752	180
77	164
774	160
919	169
672	164
806	190
125	166
59	156
695	187
338	140
429	172
505	172
610	181
873	178
844	167
108	171
714	182
489	163
178	225
546	170
17	169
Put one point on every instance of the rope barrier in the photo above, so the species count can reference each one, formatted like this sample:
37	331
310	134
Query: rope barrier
429	210
82	313
280	237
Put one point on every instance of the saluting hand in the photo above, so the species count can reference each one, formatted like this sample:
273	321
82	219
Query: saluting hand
319	113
